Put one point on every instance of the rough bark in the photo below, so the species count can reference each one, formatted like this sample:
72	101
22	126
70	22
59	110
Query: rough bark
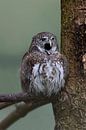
70	109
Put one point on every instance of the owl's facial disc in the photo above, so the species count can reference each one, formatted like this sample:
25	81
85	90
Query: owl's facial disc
47	44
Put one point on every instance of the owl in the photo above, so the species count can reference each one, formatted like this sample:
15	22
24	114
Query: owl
44	69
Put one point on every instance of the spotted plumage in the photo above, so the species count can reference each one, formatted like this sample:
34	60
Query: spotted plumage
43	69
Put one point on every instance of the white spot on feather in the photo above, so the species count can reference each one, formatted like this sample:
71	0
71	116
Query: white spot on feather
36	79
35	69
41	49
60	68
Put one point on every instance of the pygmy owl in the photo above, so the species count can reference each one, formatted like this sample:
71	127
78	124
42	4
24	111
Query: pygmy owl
44	69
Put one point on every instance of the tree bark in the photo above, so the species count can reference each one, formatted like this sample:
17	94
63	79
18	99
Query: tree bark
70	109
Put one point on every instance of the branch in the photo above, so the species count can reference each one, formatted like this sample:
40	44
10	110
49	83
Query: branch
21	111
15	97
5	104
24	96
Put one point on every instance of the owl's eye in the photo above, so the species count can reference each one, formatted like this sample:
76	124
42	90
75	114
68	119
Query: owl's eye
43	39
52	38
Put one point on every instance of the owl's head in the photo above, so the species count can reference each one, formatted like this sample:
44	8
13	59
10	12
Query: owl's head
44	42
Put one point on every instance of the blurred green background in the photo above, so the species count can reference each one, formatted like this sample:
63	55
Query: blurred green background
19	21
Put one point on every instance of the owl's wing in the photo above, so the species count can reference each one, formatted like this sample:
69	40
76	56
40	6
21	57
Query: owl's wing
65	66
25	71
63	61
28	62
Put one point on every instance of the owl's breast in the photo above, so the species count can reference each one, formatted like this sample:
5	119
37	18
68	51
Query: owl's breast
48	77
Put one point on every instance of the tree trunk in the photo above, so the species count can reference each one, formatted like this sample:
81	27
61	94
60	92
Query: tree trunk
70	109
